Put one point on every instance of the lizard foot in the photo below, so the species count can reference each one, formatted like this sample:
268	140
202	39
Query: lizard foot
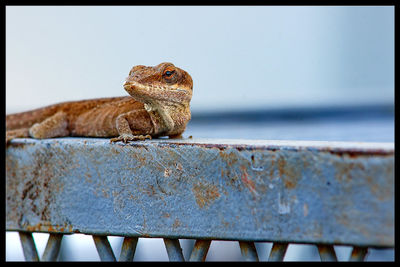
129	137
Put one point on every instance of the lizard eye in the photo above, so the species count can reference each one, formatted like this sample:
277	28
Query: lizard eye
169	73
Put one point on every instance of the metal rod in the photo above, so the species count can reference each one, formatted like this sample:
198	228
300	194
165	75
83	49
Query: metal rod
52	248
358	253
28	246
248	250
200	249
278	251
327	253
128	249
174	249
103	248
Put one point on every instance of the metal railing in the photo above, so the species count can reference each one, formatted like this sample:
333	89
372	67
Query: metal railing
285	192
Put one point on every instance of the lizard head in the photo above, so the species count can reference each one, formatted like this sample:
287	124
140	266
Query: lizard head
163	82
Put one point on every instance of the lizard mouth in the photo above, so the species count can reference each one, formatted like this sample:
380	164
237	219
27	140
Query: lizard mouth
132	85
147	92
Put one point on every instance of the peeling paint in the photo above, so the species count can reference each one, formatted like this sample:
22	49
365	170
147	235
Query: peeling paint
322	192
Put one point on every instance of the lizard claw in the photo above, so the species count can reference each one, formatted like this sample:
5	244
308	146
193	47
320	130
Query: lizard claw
129	137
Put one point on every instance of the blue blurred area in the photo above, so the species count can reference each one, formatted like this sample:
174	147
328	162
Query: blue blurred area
240	57
373	123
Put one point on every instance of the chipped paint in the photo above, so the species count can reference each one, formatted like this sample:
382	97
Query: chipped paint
261	190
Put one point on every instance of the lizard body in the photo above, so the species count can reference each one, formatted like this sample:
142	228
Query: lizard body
158	105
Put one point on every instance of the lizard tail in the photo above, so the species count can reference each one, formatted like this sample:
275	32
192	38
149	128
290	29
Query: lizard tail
28	118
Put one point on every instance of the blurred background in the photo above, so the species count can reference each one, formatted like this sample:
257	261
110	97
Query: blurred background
259	72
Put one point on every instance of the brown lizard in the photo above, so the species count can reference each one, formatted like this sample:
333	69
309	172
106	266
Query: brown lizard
158	105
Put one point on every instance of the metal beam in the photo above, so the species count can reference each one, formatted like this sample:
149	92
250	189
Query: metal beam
259	190
28	246
248	250
52	248
128	249
174	249
278	251
103	248
200	249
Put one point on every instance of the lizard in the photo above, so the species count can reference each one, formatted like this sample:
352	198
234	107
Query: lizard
158	105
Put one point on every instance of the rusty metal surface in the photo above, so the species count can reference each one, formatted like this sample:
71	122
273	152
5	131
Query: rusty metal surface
248	250
52	248
128	249
174	249
278	251
327	253
200	250
259	190
358	254
28	246
103	248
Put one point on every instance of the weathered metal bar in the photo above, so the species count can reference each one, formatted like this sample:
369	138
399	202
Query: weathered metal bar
52	248
174	249
28	246
327	253
275	191
248	250
103	248
200	249
358	253
128	249
278	251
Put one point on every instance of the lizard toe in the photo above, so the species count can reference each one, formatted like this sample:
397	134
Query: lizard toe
126	138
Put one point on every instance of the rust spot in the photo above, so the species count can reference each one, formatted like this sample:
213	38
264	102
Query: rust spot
344	172
177	223
205	194
353	153
179	166
288	173
247	181
105	193
230	158
167	172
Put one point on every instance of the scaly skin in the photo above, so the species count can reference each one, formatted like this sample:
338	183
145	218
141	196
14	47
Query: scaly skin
158	105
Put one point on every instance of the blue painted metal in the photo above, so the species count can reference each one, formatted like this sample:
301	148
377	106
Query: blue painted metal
28	246
103	248
248	250
358	253
174	249
258	190
200	249
327	253
52	248
128	249
278	251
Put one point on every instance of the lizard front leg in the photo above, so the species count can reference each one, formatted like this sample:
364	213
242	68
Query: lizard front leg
139	121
